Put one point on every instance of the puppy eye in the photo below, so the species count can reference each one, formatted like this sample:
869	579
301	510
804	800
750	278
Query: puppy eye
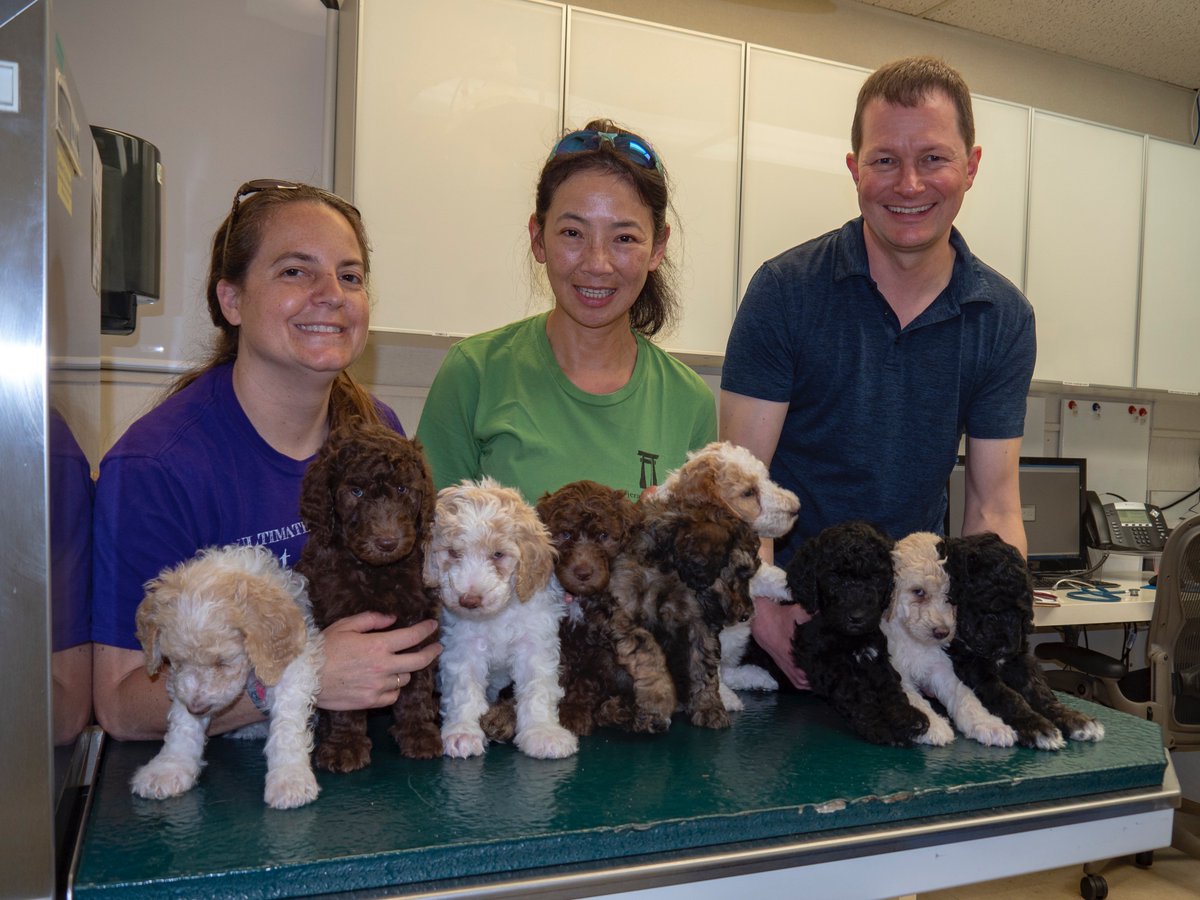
356	492
919	593
402	489
453	554
499	554
602	536
563	536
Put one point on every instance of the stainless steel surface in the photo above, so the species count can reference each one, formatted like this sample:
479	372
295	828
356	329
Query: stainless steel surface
48	355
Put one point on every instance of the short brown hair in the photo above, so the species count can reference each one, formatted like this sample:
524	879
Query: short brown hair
657	305
909	82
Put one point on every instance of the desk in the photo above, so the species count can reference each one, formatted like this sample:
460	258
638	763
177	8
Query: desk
784	803
1097	612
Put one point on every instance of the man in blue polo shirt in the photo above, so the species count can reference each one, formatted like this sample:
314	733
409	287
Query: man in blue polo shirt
859	359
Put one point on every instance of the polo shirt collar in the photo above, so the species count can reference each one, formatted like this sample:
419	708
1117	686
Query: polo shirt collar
966	285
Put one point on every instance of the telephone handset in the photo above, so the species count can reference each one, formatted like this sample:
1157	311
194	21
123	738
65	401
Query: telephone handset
1125	525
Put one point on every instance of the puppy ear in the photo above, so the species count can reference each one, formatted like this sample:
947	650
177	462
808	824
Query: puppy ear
272	623
537	553
153	605
317	495
701	484
428	491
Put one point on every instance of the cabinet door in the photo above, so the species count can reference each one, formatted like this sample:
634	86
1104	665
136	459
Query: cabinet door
1170	315
992	218
1085	208
682	92
795	184
457	105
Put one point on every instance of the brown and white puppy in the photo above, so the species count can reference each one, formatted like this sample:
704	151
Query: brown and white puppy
216	622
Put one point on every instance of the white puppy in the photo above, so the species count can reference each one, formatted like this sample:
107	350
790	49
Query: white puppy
493	562
226	617
919	625
726	473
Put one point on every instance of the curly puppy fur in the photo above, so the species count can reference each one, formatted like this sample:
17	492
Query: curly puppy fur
843	577
367	501
992	593
590	524
919	626
216	618
685	578
726	473
493	564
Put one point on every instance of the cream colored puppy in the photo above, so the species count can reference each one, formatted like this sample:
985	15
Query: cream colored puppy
919	625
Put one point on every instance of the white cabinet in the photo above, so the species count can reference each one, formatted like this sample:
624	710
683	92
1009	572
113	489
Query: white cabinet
992	218
1170	314
681	91
457	105
795	184
1085	204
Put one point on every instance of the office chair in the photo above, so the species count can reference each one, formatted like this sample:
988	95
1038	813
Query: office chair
1167	690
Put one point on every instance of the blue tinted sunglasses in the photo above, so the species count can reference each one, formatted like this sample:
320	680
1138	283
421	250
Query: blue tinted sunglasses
635	149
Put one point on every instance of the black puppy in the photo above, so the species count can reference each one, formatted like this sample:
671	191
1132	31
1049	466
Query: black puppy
993	598
843	577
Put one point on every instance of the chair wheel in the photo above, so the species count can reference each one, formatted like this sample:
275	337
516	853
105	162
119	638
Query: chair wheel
1093	887
1144	860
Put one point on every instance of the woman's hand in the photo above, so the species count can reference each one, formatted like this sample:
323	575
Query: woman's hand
772	628
365	667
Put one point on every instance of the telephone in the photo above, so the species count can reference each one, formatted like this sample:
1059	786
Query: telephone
1125	525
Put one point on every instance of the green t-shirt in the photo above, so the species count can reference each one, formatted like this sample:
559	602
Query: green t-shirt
501	406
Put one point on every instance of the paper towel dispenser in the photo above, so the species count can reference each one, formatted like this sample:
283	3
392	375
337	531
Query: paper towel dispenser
131	227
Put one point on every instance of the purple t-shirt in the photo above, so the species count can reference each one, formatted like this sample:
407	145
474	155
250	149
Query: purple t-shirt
192	473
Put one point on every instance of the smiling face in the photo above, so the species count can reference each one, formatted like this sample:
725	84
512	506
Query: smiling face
912	172
302	307
598	247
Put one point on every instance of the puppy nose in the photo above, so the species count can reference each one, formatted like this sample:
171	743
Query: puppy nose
583	573
199	709
470	601
941	634
386	544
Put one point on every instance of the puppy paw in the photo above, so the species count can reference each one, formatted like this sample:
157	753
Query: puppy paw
424	742
731	701
748	678
290	786
706	717
546	742
1091	731
770	581
938	734
461	743
347	755
645	722
1044	740
992	734
162	778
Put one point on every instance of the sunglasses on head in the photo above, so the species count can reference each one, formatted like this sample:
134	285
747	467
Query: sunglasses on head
635	149
258	185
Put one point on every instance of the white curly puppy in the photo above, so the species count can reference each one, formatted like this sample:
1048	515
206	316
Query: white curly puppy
726	473
225	618
491	558
919	625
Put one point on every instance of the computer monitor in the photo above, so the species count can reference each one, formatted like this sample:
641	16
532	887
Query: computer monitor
1052	503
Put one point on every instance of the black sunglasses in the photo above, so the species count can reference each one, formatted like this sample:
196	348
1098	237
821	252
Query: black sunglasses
258	185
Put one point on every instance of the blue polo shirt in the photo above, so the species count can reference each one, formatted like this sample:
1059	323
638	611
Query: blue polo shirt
876	412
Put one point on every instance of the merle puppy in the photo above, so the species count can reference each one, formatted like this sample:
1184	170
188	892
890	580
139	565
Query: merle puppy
843	577
993	596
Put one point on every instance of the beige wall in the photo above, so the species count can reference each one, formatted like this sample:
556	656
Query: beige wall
855	33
